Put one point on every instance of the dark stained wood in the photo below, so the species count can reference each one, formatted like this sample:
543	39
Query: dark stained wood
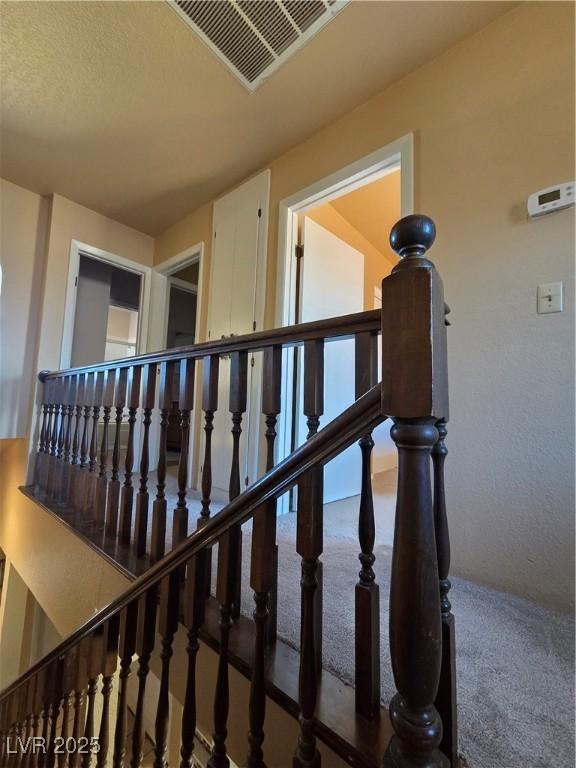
167	626
367	593
185	404
82	471
414	368
142	497
80	683
56	490
194	605
52	469
70	397
109	664
446	697
127	647
345	326
309	545
113	498
72	477
145	637
42	440
102	482
127	495
415	393
237	407
158	542
415	626
94	652
313	410
210	369
91	480
265	520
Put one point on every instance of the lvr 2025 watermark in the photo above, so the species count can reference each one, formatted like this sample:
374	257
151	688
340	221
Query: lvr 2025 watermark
16	745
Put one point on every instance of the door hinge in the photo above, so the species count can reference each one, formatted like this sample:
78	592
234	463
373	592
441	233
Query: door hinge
246	481
254	325
252	362
76	281
259	213
299	251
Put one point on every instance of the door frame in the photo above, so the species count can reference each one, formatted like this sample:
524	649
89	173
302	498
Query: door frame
76	249
371	167
159	306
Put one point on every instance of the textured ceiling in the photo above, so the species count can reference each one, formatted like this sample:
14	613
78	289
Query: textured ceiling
119	107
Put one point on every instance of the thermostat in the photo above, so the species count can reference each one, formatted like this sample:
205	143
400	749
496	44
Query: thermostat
551	199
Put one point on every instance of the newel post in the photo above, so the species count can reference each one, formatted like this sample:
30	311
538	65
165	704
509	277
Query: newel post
415	396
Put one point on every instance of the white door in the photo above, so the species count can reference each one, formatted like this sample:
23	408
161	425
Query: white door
332	284
236	307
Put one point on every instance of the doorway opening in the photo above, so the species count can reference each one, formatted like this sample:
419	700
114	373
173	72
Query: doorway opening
180	332
334	254
106	313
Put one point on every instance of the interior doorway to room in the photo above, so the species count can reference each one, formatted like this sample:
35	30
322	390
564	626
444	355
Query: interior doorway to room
336	255
181	316
107	316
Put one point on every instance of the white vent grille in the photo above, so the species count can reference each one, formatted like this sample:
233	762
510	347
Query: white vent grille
254	37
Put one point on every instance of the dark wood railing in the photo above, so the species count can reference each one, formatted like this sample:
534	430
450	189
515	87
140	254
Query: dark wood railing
83	411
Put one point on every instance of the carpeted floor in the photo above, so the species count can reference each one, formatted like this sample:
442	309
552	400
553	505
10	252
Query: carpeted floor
515	659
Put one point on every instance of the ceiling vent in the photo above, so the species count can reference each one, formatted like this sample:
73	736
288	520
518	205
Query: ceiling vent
255	37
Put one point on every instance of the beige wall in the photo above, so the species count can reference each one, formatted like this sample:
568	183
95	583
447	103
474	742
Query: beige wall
24	219
70	221
493	121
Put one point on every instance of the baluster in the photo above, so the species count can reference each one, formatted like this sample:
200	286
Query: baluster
309	543
225	591
42	440
367	592
50	393
167	626
80	683
185	404
237	406
102	480
271	404
264	562
66	453
94	651
194	603
56	697
313	409
32	755
59	462
145	637
81	480
142	497
52	436
109	664
70	664
446	697
77	408
210	368
56	428
46	710
24	719
113	498
128	624
415	393
127	498
158	543
91	480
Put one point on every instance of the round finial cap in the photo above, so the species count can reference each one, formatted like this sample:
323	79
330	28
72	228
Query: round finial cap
413	234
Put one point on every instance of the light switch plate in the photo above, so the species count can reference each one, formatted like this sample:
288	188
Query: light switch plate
550	298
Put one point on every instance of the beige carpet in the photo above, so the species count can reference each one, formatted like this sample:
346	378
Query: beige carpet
515	658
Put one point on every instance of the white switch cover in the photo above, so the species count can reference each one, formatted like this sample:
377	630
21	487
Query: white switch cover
550	298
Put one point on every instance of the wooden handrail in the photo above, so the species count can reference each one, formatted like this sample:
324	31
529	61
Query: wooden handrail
343	431
329	329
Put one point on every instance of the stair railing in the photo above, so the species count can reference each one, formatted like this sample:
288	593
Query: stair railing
72	469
